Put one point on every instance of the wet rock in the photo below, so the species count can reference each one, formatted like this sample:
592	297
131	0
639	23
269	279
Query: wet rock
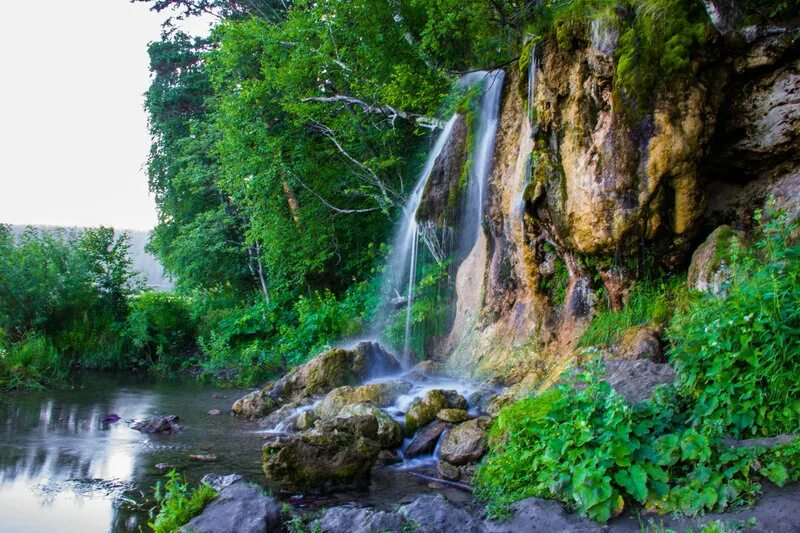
158	424
427	368
642	343
388	457
327	371
214	412
636	379
163	467
482	397
424	409
305	420
466	442
390	434
536	515
448	471
219	482
432	513
338	453
239	508
380	394
709	270
281	415
425	440
351	519
218	396
203	457
110	418
453	416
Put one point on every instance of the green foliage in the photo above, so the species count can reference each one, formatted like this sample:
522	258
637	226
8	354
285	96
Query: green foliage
31	363
160	329
177	503
650	302
737	356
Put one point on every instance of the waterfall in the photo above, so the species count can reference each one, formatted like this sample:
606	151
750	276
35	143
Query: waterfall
400	277
532	68
481	156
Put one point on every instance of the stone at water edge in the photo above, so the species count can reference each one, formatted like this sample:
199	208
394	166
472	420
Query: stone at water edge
453	416
337	454
214	412
448	471
158	424
219	482
466	442
424	409
238	508
390	434
305	420
426	438
380	394
331	369
351	519
435	514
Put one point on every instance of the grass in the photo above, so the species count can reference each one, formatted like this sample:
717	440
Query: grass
650	302
178	503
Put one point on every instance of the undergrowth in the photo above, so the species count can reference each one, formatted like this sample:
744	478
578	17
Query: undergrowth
736	361
177	503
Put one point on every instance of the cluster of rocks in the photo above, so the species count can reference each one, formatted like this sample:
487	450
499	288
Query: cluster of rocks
330	432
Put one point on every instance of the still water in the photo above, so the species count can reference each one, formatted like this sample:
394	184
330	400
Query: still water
63	469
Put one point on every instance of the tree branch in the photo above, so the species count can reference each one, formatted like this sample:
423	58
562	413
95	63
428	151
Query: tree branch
386	110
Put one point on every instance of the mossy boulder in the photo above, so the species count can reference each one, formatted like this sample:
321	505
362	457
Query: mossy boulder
389	434
331	369
379	394
339	454
453	416
466	442
710	268
424	409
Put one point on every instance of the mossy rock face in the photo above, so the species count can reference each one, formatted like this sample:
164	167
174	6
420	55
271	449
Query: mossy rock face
335	456
424	410
389	433
331	369
380	394
466	442
710	271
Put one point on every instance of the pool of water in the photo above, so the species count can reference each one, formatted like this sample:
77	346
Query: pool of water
63	469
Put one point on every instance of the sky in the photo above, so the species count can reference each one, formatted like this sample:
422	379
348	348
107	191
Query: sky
73	132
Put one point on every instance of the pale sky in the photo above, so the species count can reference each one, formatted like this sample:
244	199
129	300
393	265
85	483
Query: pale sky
73	133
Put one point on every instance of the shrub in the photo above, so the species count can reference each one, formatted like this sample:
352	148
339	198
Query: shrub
177	503
159	328
739	357
33	362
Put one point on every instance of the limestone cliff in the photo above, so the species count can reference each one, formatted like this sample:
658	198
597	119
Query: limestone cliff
593	191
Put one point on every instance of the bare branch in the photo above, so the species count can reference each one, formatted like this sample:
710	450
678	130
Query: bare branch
386	110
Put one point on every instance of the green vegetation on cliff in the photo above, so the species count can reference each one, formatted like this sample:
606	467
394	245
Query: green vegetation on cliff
736	363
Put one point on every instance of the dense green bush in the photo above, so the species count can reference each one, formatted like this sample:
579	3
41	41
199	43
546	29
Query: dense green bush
32	362
739	357
160	330
177	503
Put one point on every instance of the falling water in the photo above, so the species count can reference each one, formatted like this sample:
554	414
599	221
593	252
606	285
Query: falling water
482	156
401	271
534	66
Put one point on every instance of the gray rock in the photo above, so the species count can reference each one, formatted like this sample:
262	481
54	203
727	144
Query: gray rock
425	440
158	424
542	516
239	508
636	379
466	442
709	270
641	343
351	519
219	482
432	513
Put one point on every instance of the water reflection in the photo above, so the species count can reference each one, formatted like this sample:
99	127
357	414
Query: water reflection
62	468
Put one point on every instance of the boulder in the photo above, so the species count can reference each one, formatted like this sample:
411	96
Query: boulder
453	416
389	435
388	457
424	409
327	371
448	471
466	442
637	379
158	424
433	513
219	482
709	270
538	515
305	420
641	343
352	519
337	454
380	394
425	440
239	508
